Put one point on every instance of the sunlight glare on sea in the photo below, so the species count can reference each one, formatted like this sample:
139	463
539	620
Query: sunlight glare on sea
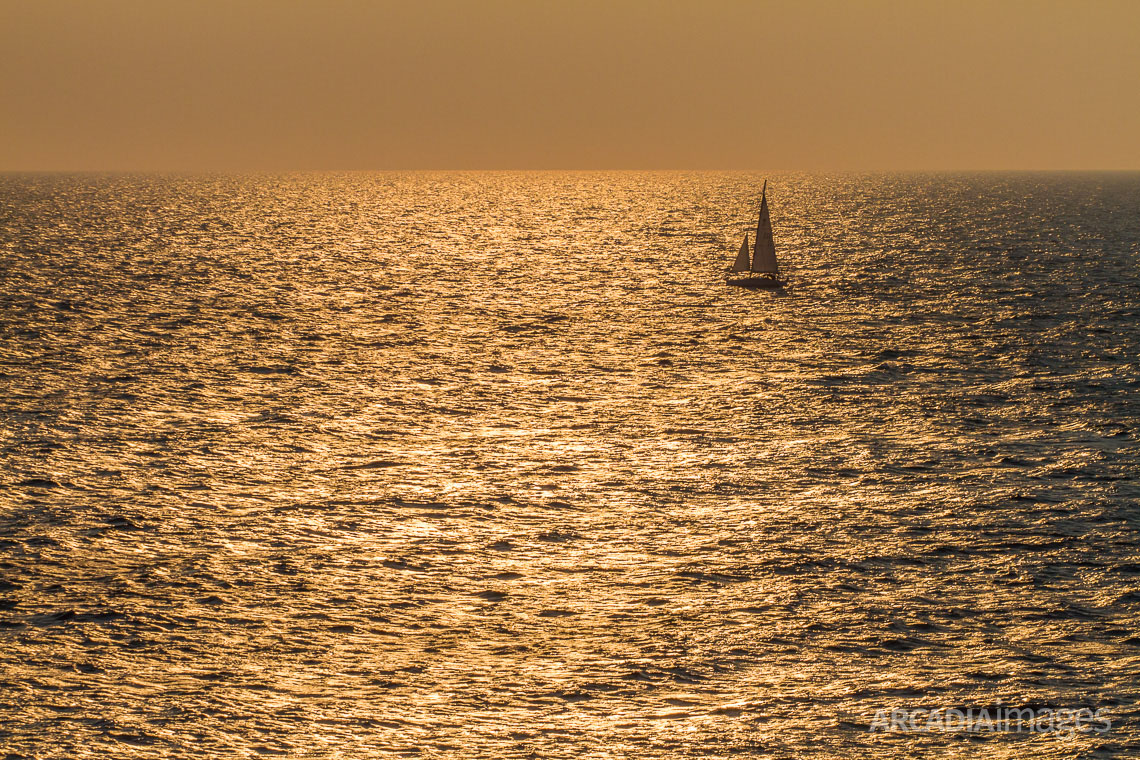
495	465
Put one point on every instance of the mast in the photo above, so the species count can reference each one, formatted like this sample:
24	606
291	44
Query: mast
741	263
764	258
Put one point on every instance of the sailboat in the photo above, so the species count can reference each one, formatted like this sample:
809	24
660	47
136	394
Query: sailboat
762	270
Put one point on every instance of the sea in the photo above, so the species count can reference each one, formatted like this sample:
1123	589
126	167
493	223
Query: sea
494	464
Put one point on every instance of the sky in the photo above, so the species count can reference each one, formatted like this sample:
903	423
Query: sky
811	85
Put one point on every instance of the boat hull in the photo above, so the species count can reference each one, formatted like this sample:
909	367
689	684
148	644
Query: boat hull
756	283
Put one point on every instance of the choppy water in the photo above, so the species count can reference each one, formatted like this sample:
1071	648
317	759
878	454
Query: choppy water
494	465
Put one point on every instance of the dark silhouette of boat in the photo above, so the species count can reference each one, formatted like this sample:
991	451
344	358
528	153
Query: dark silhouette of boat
762	269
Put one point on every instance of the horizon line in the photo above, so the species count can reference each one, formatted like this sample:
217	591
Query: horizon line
458	170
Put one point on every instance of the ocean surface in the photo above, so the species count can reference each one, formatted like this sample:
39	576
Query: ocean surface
495	465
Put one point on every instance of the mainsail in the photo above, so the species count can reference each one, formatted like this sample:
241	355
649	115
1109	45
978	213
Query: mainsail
764	260
741	263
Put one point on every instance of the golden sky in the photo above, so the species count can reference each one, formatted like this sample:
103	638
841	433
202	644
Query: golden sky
553	84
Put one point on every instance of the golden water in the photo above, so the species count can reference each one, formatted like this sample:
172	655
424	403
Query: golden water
457	465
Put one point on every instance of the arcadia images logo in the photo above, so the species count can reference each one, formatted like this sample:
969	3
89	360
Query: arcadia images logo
998	719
